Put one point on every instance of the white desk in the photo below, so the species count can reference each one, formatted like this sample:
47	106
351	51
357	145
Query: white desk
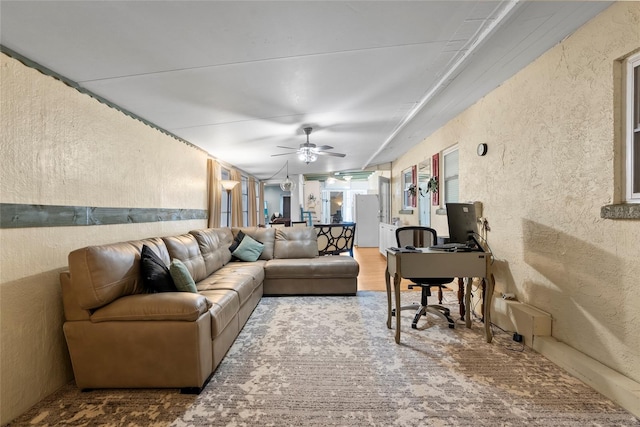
429	263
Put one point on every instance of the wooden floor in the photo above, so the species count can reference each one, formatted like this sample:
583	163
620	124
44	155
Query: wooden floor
372	267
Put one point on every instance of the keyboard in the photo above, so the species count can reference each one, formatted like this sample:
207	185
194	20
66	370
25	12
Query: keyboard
449	246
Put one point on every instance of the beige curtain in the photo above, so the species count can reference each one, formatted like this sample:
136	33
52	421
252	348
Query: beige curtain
214	192
261	201
252	208
236	199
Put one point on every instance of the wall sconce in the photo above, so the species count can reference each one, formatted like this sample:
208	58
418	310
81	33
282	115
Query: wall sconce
228	185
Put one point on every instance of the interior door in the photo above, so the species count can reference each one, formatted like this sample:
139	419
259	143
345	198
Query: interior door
286	207
384	200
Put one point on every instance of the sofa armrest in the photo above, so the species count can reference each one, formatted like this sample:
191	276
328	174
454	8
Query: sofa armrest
176	306
72	310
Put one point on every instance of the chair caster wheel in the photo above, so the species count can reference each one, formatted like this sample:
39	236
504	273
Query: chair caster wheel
451	326
414	326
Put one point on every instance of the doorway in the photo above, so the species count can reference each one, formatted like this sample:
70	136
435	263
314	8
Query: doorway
336	202
384	191
286	207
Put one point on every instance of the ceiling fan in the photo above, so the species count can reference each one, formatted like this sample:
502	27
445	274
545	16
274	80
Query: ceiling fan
309	152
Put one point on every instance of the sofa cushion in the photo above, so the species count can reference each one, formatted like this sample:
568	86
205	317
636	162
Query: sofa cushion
225	305
101	274
255	270
155	274
266	236
323	267
248	249
214	244
185	248
175	306
242	282
295	242
181	277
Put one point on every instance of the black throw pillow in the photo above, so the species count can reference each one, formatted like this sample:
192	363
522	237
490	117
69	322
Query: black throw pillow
236	241
155	274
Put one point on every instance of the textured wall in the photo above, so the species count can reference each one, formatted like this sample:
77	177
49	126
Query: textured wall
552	135
61	147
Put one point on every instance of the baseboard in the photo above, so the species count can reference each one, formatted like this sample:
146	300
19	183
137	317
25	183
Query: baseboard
622	390
535	326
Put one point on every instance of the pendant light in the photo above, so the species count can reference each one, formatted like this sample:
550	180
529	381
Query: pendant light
287	184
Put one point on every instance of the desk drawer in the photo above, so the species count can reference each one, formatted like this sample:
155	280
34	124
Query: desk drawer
441	264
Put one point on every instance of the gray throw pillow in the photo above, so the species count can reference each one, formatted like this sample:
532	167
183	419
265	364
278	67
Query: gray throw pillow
181	277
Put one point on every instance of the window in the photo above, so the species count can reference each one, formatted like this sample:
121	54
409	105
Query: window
408	182
451	179
632	129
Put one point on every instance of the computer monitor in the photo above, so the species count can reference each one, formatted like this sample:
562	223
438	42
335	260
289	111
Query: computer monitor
463	223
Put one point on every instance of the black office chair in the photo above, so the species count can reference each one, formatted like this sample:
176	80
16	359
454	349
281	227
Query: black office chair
423	237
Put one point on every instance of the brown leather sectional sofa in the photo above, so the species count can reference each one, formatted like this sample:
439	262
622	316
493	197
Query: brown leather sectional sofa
121	337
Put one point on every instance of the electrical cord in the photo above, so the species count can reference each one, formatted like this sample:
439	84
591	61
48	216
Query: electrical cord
486	243
275	174
517	348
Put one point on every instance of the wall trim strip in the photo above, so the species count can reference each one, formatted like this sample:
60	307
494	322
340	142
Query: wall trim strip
621	211
15	215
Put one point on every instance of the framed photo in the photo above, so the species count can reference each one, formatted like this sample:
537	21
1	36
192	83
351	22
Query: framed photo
409	188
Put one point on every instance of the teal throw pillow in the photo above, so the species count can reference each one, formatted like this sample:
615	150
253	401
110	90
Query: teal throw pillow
181	277
249	249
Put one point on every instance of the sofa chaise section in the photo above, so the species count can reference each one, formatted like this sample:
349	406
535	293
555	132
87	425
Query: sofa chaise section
297	268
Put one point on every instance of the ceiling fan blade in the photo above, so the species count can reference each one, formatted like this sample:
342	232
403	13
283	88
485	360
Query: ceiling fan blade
283	154
288	148
324	147
329	153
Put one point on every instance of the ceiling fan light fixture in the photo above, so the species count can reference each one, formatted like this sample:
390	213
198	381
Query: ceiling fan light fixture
307	155
309	152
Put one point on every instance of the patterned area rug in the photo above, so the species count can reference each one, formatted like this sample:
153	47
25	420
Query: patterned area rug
321	361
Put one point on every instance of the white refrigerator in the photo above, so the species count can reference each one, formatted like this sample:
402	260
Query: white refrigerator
367	219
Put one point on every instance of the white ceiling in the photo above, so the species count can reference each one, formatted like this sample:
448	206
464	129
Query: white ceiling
238	79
